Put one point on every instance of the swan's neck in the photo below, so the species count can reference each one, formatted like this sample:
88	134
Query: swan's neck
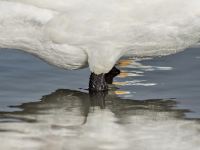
102	59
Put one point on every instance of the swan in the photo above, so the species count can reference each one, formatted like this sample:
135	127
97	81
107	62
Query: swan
74	34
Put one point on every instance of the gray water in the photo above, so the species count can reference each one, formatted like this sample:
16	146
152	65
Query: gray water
153	105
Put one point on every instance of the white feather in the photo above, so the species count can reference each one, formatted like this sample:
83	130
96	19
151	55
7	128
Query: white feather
72	33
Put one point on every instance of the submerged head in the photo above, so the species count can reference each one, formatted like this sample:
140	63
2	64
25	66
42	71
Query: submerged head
97	83
100	82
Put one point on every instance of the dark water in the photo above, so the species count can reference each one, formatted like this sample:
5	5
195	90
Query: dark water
154	105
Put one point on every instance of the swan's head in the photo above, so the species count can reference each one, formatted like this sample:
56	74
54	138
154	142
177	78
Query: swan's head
100	82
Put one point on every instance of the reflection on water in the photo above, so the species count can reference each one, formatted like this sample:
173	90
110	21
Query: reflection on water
74	120
119	120
140	69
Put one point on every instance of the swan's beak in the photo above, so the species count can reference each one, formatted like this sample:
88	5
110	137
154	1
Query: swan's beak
111	74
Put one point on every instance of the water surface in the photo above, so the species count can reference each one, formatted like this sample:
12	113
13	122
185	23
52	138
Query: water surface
154	105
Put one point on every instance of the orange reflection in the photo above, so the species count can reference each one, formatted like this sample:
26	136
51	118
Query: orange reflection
121	92
119	83
123	74
124	63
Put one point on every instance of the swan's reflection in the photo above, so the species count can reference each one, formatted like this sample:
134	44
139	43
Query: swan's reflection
69	119
69	103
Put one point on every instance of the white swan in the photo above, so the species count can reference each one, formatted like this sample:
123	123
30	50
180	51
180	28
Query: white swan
72	34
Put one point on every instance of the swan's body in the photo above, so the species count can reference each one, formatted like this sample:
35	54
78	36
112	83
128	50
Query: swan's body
23	27
72	34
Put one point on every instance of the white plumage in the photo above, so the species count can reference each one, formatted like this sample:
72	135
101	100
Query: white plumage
74	33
